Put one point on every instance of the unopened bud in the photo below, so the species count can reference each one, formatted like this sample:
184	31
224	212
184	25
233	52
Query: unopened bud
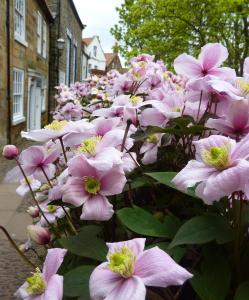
10	151
33	211
39	234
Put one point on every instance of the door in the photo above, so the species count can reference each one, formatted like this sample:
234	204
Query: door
35	104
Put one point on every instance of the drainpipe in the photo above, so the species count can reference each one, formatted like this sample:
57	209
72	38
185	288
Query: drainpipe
9	121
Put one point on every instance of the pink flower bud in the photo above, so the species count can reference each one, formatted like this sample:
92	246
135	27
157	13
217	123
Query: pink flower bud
39	234
33	211
10	151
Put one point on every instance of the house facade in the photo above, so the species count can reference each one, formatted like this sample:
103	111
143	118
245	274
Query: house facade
84	61
97	60
113	62
65	46
24	61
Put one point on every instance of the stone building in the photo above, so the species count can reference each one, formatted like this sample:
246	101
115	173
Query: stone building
65	45
24	62
112	62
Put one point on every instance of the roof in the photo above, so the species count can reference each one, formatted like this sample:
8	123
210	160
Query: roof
76	14
109	57
87	41
44	6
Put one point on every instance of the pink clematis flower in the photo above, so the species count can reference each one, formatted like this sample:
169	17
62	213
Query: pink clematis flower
51	212
220	168
129	269
150	148
23	188
236	122
89	186
45	285
208	63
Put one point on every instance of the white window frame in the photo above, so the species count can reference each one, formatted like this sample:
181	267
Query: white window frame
39	33
20	17
18	91
75	50
44	39
44	90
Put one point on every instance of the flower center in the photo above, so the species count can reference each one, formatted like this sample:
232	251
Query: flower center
176	109
88	146
36	283
122	262
92	185
56	125
135	100
217	157
152	138
243	86
52	208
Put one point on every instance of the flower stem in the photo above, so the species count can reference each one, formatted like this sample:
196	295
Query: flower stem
129	122
31	191
24	257
46	176
70	221
63	149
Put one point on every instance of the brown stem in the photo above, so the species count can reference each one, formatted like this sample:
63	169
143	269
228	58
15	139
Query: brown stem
63	149
129	122
46	176
24	257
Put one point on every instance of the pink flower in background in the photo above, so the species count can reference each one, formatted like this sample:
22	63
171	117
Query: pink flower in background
220	168
235	123
23	188
89	187
45	285
129	268
150	148
208	63
51	212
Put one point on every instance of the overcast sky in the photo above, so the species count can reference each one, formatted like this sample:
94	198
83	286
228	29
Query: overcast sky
99	16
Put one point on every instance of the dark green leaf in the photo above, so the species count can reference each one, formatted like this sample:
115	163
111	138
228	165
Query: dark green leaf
86	243
242	292
76	282
203	229
213	281
140	221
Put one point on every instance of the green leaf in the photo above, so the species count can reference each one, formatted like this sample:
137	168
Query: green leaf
86	243
166	178
242	292
213	281
203	229
76	282
140	221
176	253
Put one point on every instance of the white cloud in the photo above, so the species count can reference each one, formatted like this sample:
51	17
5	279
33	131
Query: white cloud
99	16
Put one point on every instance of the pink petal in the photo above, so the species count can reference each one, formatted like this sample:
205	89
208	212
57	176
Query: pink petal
241	149
51	156
130	288
97	208
238	114
156	268
188	66
223	183
102	282
219	124
224	73
137	245
79	166
151	116
33	156
246	66
212	55
14	175
150	156
193	173
53	261
54	290
39	135
113	181
73	192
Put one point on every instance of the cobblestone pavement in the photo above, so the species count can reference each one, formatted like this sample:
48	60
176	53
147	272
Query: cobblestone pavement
13	270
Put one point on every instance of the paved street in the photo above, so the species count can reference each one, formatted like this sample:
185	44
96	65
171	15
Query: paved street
13	217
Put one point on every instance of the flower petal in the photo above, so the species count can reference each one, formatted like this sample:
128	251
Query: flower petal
113	181
137	245
53	261
97	208
79	167
212	55
156	268
73	192
54	290
188	66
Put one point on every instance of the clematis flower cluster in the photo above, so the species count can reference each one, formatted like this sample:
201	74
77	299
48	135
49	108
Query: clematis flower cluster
110	129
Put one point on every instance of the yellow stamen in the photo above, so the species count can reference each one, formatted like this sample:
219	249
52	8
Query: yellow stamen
56	125
243	86
91	185
36	283
217	157
88	146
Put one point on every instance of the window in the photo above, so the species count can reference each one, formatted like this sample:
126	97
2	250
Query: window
68	75
18	84
96	67
74	62
20	20
95	51
44	39
89	67
39	33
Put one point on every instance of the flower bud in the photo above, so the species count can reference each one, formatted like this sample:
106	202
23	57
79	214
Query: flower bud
39	234
33	211
10	151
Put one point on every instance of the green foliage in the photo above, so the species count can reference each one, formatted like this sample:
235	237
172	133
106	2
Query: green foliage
203	229
86	243
168	28
242	292
76	282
